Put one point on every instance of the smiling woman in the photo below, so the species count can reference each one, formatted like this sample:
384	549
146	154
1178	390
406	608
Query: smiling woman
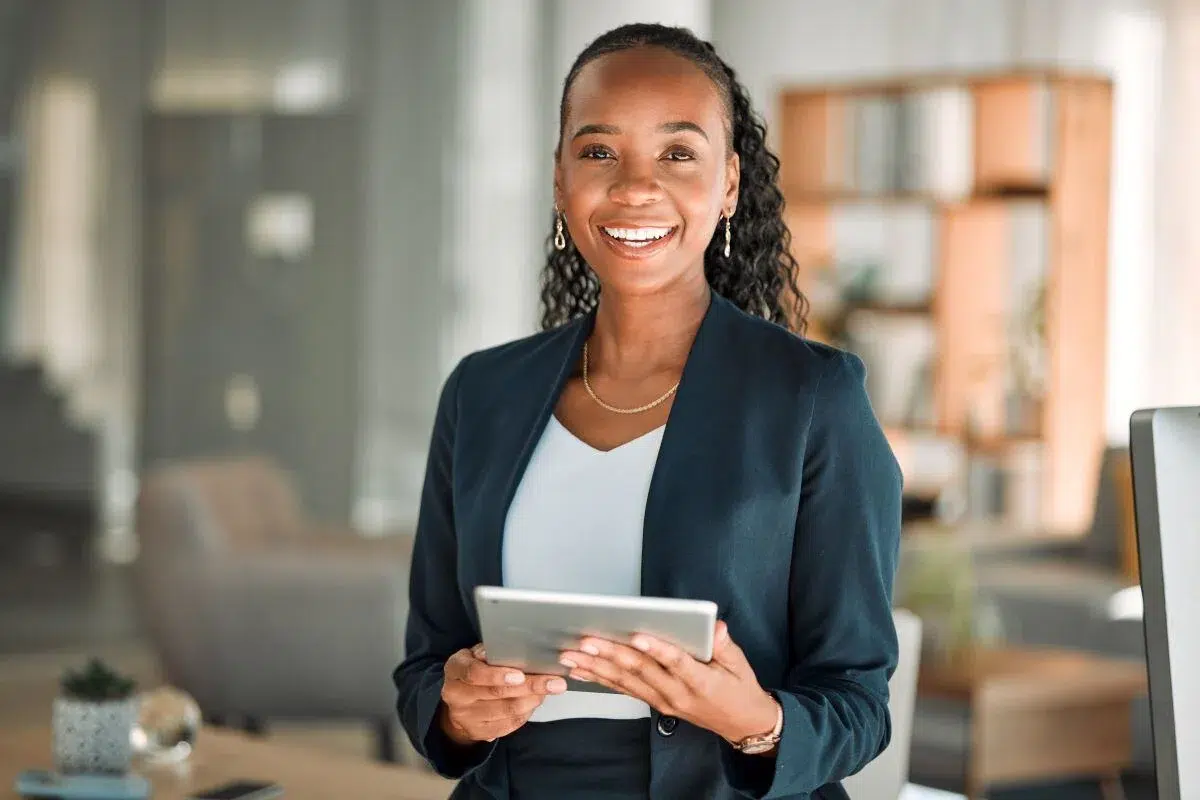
713	130
669	434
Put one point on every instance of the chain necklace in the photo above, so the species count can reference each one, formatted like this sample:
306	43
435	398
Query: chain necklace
588	386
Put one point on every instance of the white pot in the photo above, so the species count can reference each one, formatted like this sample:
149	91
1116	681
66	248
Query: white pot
93	737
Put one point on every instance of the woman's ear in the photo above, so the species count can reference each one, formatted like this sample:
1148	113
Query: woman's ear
733	180
557	183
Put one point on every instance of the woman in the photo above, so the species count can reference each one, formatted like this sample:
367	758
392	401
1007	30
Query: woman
666	435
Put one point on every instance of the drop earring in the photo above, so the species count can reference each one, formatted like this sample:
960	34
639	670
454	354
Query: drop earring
728	237
560	240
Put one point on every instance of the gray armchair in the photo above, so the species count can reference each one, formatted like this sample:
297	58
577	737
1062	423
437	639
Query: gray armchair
260	614
887	775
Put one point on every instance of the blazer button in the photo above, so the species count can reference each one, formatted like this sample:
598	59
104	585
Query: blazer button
667	725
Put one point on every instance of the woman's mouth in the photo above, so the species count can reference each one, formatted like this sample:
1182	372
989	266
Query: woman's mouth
637	242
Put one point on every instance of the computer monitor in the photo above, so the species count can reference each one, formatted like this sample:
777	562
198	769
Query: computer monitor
1165	447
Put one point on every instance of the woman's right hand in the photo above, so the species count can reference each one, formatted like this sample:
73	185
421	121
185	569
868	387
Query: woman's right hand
481	703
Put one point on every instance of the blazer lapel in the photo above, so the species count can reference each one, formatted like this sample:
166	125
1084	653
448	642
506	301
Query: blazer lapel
703	425
528	403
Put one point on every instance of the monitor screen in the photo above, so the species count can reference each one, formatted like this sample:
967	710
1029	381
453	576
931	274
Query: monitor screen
1165	449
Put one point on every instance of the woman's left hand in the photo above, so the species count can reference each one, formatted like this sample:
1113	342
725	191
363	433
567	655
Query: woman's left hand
722	696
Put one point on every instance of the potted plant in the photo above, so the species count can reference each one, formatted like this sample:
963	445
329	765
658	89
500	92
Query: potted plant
93	719
936	582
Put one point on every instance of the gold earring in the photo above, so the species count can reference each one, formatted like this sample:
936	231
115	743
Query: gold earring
560	240
728	237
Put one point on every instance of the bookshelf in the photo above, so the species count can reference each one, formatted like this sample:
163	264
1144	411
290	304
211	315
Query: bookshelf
953	231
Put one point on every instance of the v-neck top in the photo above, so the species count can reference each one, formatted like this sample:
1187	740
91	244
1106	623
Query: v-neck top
575	525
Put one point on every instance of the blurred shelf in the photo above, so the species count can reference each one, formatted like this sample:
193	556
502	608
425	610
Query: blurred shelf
898	431
987	193
1001	445
986	533
801	196
893	309
798	196
918	81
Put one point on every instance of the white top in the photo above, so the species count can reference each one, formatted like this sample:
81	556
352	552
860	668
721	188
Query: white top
575	525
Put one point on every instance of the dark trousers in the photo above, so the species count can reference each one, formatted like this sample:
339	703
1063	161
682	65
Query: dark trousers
574	759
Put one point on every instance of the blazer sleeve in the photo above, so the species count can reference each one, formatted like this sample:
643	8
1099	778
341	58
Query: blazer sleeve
843	638
438	625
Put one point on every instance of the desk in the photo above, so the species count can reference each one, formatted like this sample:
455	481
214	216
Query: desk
1040	714
306	774
221	756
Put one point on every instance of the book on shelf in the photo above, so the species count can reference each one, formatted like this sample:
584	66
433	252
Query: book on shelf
875	120
940	161
918	142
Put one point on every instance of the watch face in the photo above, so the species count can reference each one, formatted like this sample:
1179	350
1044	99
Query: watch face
754	748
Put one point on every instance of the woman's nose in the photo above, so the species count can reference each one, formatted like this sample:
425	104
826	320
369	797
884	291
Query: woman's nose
635	185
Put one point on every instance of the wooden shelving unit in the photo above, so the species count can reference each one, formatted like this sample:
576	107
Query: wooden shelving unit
984	201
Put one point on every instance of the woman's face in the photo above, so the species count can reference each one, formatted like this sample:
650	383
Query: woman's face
644	170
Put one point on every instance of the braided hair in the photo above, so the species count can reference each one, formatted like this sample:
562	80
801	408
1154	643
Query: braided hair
760	274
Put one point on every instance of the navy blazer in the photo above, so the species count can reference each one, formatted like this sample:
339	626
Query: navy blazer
775	494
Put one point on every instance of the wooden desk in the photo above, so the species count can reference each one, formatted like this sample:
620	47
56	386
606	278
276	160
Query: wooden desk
221	755
1041	714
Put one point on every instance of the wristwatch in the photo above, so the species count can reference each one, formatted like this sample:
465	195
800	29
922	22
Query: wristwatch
763	742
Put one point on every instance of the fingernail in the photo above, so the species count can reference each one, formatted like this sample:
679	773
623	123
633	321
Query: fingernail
580	678
590	649
568	663
641	644
556	686
514	679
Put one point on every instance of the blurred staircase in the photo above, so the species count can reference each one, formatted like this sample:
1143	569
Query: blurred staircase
47	462
48	503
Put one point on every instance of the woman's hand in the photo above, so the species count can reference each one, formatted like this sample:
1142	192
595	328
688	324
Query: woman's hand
722	696
481	703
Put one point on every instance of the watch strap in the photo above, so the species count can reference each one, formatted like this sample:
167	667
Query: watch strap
764	741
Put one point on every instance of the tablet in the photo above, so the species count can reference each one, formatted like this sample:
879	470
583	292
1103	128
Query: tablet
528	630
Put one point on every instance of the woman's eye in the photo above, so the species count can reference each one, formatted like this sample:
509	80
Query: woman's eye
596	153
679	155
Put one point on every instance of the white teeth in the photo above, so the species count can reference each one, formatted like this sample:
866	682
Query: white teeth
637	234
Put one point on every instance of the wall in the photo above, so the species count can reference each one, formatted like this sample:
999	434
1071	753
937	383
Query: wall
412	99
257	98
501	152
576	24
1174	351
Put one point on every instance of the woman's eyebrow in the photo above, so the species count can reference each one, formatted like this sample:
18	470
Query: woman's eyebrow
667	127
589	130
682	125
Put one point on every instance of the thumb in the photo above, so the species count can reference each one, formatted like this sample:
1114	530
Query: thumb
725	650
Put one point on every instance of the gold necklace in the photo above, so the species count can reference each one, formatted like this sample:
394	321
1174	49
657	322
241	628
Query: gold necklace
587	385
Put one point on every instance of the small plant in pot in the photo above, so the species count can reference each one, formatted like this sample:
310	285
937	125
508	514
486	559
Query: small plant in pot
93	718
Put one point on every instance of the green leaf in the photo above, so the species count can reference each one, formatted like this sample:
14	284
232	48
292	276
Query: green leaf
97	682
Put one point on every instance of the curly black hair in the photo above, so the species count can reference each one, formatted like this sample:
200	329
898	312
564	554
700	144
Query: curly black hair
760	274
